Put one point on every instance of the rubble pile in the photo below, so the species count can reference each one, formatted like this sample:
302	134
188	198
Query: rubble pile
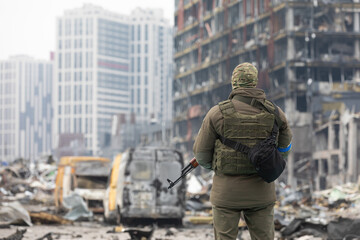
299	214
328	214
198	206
28	183
26	193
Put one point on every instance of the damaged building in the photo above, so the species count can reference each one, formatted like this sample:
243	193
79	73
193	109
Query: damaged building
308	57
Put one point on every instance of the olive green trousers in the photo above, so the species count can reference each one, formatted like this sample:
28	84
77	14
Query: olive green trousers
259	220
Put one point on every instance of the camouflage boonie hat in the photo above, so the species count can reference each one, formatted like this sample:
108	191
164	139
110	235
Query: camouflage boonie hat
244	75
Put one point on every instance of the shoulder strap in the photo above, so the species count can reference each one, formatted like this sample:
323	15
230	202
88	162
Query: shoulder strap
226	107
261	105
238	146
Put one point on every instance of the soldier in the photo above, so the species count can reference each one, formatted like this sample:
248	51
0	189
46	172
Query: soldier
236	185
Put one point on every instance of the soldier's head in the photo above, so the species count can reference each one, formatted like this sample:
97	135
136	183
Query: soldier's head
244	75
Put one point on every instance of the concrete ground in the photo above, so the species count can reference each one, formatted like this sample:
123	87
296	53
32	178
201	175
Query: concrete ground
93	231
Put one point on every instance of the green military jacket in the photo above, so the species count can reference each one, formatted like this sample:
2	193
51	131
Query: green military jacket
240	190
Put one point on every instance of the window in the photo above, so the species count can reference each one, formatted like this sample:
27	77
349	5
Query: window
133	32
167	168
139	32
80	59
75	60
90	127
67	125
67	76
80	27
138	96
67	60
67	93
59	125
146	32
67	109
146	96
132	96
138	64
87	26
142	170
90	59
59	60
59	94
67	27
146	64
75	126
67	44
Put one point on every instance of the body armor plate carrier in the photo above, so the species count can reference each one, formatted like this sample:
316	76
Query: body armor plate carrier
247	129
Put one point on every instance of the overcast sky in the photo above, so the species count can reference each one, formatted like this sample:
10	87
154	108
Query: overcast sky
27	27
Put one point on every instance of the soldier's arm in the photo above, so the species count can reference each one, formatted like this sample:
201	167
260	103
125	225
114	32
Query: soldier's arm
205	140
285	136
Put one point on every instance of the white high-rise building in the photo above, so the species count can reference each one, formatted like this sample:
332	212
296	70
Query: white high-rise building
151	66
108	64
25	108
91	73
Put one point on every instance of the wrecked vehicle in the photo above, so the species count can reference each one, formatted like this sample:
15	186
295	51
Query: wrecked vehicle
85	176
138	188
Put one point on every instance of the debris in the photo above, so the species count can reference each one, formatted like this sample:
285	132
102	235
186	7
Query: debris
117	229
201	220
194	205
18	235
169	232
77	206
14	213
87	177
43	197
344	227
194	185
52	235
299	228
140	234
135	233
47	218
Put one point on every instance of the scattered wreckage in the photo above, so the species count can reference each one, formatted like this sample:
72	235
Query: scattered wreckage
84	176
137	189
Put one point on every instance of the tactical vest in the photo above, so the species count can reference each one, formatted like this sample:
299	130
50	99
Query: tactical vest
247	129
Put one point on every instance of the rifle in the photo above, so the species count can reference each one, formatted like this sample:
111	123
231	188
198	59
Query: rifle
193	164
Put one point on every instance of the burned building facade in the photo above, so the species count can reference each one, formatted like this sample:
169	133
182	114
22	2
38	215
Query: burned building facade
307	54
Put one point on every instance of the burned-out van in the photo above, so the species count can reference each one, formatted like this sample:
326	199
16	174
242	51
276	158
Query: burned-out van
138	187
84	175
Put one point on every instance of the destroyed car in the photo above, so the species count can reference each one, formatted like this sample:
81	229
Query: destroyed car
138	187
85	176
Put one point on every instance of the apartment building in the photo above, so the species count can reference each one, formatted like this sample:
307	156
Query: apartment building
91	73
25	108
